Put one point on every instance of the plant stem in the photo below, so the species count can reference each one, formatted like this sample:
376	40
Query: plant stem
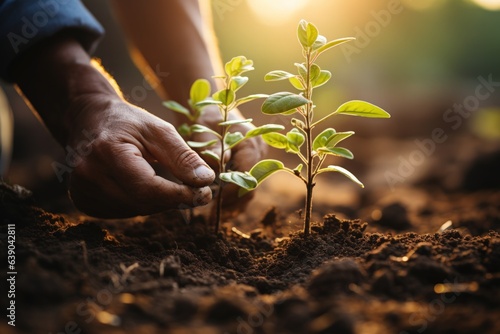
222	169
309	155
218	208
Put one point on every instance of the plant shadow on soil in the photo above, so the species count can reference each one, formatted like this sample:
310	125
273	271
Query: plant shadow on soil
158	274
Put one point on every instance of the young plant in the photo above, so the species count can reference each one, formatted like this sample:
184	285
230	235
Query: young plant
226	101
317	147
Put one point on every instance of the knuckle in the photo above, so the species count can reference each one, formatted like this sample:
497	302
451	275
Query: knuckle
185	157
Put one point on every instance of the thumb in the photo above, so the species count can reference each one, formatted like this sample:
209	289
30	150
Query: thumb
170	150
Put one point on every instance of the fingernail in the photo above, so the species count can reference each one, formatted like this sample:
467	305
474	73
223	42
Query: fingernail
202	196
204	173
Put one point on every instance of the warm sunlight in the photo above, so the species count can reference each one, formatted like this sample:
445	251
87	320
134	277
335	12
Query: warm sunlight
488	4
422	4
277	11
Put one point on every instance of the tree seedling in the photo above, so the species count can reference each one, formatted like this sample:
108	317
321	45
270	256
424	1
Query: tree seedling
317	147
226	101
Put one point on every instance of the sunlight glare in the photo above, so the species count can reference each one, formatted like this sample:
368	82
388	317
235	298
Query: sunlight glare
277	11
488	4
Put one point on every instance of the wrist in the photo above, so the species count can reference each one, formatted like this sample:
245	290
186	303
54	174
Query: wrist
89	94
56	76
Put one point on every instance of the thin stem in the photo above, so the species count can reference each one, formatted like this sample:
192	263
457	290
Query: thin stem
222	169
309	155
218	209
318	166
301	156
321	120
291	171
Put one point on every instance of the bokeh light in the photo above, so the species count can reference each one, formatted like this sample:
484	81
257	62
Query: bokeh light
276	12
488	4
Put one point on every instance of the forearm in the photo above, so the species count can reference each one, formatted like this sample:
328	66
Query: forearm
169	36
55	77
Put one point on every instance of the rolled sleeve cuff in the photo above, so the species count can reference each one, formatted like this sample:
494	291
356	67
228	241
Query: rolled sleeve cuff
24	23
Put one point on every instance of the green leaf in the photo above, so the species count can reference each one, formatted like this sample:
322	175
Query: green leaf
296	82
200	90
342	171
320	41
226	96
337	138
268	128
172	105
362	109
238	65
337	151
232	139
206	102
196	144
278	75
322	138
211	154
244	180
290	112
236	121
198	128
301	67
321	79
334	43
314	72
282	102
295	140
250	98
184	130
237	82
264	168
276	140
307	33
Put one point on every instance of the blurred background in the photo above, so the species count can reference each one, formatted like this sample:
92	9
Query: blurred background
415	58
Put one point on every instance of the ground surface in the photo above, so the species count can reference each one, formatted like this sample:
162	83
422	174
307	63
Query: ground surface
426	260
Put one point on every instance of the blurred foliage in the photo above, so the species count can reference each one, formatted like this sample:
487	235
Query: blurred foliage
430	47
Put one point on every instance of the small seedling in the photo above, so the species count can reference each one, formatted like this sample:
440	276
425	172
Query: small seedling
317	147
226	101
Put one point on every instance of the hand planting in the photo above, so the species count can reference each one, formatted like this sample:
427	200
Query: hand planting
226	101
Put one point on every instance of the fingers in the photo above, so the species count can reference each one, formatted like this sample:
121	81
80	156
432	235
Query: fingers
116	182
166	146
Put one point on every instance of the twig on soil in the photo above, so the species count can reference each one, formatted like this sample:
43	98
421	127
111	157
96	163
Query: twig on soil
239	233
446	226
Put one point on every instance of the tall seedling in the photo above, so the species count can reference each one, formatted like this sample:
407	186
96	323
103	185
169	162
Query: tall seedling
311	149
226	101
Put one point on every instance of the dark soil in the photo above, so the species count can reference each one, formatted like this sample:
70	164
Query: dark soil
160	274
422	259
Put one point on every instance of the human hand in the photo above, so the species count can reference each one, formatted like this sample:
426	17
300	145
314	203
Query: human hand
115	179
112	177
241	158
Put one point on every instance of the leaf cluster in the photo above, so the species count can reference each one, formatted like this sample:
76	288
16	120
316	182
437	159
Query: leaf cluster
226	100
312	149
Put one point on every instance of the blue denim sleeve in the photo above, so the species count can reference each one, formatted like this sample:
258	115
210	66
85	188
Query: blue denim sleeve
24	23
